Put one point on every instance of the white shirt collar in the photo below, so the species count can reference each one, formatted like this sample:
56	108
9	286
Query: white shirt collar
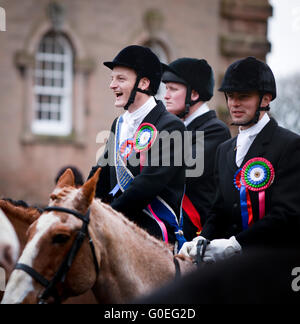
141	113
246	138
257	128
203	109
131	121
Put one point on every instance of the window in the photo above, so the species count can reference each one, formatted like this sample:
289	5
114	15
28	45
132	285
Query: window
53	83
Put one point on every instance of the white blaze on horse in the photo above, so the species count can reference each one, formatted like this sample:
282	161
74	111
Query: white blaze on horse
79	243
9	244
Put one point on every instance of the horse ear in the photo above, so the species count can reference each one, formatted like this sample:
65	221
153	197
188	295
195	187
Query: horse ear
67	179
88	190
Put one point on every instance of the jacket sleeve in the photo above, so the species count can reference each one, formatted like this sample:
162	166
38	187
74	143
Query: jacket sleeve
155	176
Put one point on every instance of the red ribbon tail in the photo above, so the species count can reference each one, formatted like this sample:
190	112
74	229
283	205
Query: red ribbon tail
192	212
249	207
262	204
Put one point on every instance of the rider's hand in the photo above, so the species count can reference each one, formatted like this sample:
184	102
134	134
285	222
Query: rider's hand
189	249
221	249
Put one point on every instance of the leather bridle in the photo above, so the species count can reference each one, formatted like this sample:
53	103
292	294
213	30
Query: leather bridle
60	275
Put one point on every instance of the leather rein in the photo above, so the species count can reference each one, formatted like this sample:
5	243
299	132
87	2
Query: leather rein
60	275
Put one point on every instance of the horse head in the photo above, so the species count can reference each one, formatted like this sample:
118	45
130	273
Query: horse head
59	259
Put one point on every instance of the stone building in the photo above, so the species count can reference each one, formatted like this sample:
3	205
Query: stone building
54	90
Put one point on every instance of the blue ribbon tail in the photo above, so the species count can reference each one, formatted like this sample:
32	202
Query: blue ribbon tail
244	208
166	216
181	240
115	190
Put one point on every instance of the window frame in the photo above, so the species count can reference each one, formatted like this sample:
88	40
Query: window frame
54	127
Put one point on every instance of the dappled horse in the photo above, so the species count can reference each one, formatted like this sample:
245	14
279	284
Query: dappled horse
80	243
21	216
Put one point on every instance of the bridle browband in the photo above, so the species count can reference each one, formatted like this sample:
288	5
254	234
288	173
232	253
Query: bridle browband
60	275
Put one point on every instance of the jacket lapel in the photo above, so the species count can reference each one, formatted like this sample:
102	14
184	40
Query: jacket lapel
154	114
231	154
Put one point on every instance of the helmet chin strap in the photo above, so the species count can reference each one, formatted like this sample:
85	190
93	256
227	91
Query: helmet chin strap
254	120
188	103
134	91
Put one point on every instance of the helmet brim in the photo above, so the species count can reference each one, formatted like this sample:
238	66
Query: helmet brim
169	76
112	65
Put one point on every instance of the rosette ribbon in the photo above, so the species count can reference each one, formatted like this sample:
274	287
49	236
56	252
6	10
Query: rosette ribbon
144	138
126	149
257	175
245	201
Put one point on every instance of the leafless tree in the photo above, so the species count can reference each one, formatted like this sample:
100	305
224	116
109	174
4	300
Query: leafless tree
286	107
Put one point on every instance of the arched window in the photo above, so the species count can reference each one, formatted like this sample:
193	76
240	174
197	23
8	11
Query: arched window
53	84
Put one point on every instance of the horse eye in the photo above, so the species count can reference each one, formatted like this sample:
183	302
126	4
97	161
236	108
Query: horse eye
60	239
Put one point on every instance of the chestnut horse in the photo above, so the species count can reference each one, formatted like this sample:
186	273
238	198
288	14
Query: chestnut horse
20	215
131	263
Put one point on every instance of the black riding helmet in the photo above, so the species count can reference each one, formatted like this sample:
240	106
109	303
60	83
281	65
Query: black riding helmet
195	74
250	74
144	62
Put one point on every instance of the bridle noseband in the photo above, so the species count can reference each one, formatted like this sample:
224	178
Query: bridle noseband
60	275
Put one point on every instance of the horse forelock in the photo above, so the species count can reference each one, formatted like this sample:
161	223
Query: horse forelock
63	194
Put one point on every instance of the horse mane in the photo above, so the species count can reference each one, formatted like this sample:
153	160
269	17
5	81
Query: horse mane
166	248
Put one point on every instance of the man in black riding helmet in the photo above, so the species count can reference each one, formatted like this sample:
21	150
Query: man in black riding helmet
257	172
147	192
189	85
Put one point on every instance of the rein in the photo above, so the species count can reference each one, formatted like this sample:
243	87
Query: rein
201	249
60	275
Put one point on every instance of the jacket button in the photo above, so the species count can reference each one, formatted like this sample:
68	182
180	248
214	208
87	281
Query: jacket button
235	205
